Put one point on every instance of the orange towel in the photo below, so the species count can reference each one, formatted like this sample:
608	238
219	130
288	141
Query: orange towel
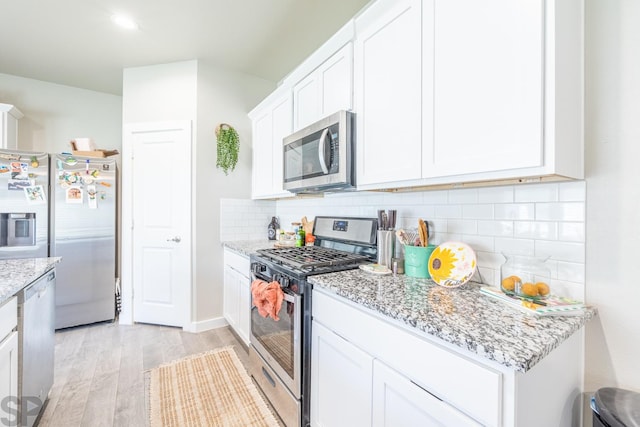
267	297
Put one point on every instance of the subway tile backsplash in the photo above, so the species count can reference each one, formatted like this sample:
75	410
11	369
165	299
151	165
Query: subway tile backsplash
543	220
243	219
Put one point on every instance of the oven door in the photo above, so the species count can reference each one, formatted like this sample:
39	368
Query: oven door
279	342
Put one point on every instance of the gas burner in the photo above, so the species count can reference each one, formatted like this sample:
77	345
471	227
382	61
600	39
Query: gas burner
311	257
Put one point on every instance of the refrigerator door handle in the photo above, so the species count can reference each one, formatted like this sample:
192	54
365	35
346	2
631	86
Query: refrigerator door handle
176	239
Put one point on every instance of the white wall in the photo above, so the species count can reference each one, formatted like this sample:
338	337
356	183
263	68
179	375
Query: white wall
223	97
613	192
55	114
162	92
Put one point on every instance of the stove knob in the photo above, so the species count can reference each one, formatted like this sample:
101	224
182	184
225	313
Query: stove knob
275	278
259	268
284	282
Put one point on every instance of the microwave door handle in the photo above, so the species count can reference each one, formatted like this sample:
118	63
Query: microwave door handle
321	145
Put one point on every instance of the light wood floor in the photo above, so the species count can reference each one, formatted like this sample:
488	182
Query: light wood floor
100	369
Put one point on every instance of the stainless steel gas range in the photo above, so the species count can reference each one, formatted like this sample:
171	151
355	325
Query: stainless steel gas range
280	351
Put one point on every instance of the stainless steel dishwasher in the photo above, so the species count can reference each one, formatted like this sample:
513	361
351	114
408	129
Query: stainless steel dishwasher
36	341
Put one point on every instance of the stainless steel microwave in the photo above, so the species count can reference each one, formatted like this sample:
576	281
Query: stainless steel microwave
320	157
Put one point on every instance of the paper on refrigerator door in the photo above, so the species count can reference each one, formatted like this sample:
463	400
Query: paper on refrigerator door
92	196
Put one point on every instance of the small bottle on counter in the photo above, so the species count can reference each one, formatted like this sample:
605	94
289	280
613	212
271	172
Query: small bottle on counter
273	226
300	237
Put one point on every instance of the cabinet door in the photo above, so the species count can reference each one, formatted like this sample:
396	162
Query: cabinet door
262	170
336	82
269	129
244	307
231	297
488	86
9	378
326	90
281	125
397	401
388	61
306	101
9	116
340	381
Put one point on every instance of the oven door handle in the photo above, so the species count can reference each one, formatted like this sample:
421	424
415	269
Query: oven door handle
321	148
287	297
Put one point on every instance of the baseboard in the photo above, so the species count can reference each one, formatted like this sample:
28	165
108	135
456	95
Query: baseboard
205	325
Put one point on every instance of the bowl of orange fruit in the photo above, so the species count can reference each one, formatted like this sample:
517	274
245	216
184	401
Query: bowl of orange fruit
525	276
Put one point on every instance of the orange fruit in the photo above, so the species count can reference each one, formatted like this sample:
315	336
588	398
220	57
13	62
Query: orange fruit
543	288
529	289
508	284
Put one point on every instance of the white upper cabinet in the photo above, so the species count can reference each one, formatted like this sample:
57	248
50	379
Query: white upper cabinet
488	86
271	123
453	91
326	90
387	90
9	116
499	93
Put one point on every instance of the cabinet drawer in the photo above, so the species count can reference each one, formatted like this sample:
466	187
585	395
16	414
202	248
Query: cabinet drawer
237	261
8	317
463	383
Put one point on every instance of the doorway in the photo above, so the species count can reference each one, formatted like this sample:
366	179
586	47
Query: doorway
156	216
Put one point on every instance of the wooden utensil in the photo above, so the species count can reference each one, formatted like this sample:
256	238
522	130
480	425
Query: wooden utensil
424	234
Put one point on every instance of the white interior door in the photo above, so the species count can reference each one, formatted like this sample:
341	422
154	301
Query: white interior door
161	223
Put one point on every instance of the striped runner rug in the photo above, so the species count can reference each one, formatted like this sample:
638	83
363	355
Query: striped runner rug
205	390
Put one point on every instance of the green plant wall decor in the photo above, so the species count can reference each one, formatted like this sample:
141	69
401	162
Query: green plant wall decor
227	147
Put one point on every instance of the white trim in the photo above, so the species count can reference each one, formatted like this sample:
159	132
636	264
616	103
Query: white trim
206	325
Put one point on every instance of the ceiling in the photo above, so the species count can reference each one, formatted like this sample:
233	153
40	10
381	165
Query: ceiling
74	42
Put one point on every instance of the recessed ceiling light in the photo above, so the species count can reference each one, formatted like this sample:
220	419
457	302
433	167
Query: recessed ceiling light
124	22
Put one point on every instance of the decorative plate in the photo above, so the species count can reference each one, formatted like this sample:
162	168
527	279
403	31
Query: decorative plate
452	264
375	269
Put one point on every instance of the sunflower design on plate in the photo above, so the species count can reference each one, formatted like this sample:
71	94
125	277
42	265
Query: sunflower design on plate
452	264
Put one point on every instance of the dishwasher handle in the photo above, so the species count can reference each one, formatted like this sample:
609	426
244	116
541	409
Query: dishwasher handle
40	286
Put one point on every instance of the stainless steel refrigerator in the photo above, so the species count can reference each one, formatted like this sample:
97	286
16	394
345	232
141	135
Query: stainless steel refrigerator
83	233
24	204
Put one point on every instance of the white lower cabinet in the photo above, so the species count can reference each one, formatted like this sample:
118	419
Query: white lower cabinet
340	381
369	370
9	361
237	293
398	401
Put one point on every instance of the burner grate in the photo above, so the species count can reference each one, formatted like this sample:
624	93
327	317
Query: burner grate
311	257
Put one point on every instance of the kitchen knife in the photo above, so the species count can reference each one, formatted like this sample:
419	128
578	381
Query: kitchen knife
392	219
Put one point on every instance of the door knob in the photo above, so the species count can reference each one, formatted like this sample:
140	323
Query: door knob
176	239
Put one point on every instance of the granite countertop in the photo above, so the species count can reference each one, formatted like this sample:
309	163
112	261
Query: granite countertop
15	274
247	247
462	316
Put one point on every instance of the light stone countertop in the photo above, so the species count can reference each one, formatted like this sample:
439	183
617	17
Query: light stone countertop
247	247
462	316
15	274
